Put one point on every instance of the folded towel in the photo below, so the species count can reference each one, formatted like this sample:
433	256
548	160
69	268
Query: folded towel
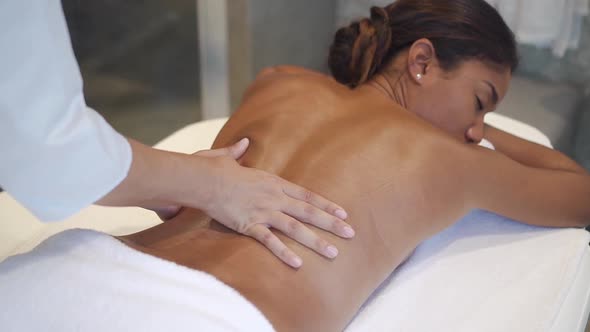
83	280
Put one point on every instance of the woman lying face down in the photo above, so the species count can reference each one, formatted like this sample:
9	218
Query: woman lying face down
392	137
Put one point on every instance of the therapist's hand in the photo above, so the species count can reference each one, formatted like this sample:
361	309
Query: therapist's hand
250	201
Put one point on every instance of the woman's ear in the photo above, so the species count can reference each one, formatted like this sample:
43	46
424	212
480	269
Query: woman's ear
421	58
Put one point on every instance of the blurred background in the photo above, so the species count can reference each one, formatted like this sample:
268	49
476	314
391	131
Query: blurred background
139	61
151	67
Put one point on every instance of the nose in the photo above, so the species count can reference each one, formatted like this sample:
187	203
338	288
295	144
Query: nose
475	133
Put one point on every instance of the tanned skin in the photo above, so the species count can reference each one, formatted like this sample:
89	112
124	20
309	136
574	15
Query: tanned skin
401	174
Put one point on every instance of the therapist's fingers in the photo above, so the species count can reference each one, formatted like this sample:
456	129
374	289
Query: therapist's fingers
316	210
297	192
263	235
235	151
312	215
300	233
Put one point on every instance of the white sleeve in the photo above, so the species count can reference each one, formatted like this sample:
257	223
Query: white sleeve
57	155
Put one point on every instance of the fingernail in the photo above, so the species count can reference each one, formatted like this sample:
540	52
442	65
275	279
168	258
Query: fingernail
348	231
341	214
296	262
331	251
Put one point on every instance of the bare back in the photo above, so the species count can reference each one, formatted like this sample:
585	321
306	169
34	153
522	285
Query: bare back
387	168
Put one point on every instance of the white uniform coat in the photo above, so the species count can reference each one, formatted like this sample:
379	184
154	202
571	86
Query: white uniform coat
57	155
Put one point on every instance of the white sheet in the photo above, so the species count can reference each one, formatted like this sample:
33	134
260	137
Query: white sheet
577	300
469	250
485	273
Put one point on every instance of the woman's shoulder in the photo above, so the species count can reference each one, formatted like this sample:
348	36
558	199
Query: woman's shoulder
291	80
292	70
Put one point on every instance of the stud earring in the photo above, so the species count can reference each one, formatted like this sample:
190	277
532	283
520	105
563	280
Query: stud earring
419	76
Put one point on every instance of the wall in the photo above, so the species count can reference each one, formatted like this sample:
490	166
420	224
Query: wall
292	32
349	10
573	68
264	33
139	60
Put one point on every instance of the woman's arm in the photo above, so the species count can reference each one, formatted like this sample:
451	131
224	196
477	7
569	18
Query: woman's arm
530	154
527	182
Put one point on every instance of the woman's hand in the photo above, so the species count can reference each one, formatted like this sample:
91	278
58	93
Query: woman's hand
250	201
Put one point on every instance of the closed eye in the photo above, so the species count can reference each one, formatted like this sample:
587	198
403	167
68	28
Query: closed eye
479	104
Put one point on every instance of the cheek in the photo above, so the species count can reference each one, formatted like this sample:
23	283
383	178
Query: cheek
461	106
447	107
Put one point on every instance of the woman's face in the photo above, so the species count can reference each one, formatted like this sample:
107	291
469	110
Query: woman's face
457	101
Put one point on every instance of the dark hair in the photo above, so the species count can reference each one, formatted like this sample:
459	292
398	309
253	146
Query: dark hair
458	29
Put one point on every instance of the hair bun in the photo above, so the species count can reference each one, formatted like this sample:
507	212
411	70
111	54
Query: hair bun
359	49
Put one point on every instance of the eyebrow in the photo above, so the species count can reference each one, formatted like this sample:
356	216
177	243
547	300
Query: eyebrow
494	92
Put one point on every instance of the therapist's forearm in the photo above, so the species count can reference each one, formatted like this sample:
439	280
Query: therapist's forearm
159	178
530	154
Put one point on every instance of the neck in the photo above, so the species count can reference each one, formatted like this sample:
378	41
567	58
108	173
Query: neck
393	86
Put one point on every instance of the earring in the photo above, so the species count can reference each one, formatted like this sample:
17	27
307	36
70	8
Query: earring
419	76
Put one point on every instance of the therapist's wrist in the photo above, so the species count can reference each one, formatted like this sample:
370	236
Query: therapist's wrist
211	174
156	179
195	182
159	179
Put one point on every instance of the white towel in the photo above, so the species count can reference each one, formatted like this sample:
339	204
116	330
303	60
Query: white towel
83	280
485	273
545	23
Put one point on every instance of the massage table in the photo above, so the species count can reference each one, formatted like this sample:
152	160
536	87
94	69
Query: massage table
485	273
